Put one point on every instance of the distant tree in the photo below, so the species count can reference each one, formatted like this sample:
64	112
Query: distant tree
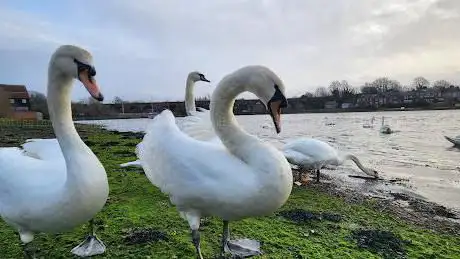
346	90
368	88
334	89
420	83
440	85
394	86
321	92
117	100
307	95
38	103
382	84
203	98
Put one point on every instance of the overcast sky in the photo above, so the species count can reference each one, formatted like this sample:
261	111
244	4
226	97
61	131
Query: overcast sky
144	49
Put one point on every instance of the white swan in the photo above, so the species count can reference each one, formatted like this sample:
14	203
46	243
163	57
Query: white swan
369	124
55	185
385	129
313	154
239	178
189	102
455	141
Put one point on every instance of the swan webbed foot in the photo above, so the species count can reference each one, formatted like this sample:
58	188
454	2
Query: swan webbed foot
92	245
196	243
240	248
89	247
29	252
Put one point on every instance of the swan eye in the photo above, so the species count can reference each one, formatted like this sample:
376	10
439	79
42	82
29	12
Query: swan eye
82	66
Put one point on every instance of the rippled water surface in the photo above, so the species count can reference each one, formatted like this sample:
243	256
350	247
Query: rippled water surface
417	151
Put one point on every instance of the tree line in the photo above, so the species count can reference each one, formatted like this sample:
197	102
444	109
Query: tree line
343	90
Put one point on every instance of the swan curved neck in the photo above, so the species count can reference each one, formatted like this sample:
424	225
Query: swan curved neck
189	96
224	122
356	161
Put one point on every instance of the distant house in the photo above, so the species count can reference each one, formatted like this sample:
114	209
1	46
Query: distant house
15	102
330	105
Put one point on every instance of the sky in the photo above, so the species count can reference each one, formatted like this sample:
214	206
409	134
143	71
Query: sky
144	49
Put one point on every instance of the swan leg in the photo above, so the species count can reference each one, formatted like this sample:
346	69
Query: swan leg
317	175
26	239
240	248
92	245
196	242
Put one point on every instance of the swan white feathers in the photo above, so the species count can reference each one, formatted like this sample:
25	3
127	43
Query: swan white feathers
238	178
54	185
190	110
314	154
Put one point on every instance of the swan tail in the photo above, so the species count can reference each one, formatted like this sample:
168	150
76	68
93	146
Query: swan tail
136	163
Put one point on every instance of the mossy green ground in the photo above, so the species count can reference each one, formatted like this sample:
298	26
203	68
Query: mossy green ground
135	203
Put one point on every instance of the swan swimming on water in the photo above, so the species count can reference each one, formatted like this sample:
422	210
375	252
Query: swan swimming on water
190	108
385	129
455	141
55	185
313	154
237	178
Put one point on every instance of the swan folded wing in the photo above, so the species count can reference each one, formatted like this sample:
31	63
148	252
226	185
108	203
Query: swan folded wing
199	126
45	149
192	172
21	173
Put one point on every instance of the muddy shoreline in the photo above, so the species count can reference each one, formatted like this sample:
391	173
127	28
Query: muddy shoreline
410	208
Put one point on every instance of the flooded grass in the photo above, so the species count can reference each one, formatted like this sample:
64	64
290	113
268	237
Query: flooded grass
138	221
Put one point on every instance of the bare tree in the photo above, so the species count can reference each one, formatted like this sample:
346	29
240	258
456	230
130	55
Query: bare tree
334	89
117	100
394	86
382	84
346	90
321	92
440	85
420	83
368	88
38	103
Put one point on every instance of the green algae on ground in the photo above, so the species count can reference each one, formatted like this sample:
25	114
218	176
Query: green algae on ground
137	211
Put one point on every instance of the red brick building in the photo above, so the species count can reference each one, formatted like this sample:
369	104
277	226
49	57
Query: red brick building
17	104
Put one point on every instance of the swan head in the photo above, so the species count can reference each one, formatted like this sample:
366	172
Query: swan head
269	88
196	76
75	62
371	172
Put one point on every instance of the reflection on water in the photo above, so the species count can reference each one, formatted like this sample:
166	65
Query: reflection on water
418	151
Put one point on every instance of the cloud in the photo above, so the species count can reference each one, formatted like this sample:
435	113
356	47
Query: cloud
144	49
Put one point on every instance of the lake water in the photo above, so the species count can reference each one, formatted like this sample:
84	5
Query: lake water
417	152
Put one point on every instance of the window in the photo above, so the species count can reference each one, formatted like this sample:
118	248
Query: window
11	101
24	101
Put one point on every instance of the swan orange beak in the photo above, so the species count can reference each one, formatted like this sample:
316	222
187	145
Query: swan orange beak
90	84
275	112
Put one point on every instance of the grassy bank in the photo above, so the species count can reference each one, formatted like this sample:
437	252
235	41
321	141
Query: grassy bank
139	222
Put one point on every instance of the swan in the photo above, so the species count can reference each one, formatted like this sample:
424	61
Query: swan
370	124
239	177
455	141
55	185
385	129
190	108
309	153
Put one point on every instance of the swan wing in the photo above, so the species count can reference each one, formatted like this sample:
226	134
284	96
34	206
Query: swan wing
23	175
193	173
45	149
199	126
313	150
